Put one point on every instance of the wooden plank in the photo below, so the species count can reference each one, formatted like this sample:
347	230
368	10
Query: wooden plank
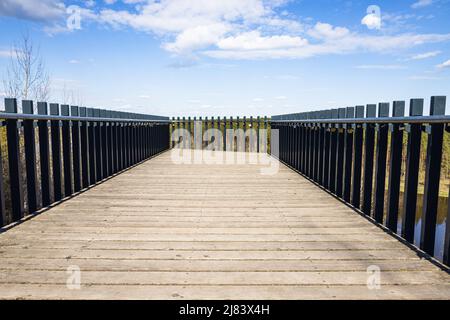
222	278
258	292
214	265
201	231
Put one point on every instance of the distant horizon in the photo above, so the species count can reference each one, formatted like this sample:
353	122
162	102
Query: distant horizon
236	57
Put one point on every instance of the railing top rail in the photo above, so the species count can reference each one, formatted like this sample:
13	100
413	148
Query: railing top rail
21	116
416	119
55	111
369	114
223	119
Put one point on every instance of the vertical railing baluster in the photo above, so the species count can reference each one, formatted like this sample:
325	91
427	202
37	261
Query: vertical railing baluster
92	126
67	152
244	126
85	153
265	125
340	154
316	150
76	149
224	132
369	145
111	143
446	255
348	154
291	143
310	147
326	151
105	143
321	147
183	123
231	140
357	158
134	143
380	163
432	176
99	145
190	131
333	154
56	152
257	127
30	157
125	144
115	143
3	216
44	154
297	146
15	167
395	165
304	151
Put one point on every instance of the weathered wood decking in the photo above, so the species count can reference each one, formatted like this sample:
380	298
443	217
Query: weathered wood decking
167	231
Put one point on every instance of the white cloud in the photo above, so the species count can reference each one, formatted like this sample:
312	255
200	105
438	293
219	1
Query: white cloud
421	4
327	31
381	67
254	41
43	10
280	98
144	96
257	99
5	53
351	43
74	61
425	55
231	29
197	37
110	1
179	15
90	3
445	64
424	78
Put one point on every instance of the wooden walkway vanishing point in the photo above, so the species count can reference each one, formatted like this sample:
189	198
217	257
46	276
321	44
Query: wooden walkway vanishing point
165	231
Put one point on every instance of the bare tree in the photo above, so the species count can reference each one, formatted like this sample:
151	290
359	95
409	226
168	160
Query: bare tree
26	76
70	96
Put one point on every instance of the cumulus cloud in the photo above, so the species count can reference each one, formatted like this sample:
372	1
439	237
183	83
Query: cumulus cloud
425	55
254	41
251	29
381	67
444	65
179	15
5	53
197	37
327	31
350	43
421	4
231	29
42	10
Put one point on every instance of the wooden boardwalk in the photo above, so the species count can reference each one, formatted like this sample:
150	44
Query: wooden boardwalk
167	231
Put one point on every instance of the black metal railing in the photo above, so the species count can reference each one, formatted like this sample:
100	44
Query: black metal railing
357	154
74	148
235	134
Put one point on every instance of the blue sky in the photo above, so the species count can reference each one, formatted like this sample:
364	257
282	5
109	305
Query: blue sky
235	57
